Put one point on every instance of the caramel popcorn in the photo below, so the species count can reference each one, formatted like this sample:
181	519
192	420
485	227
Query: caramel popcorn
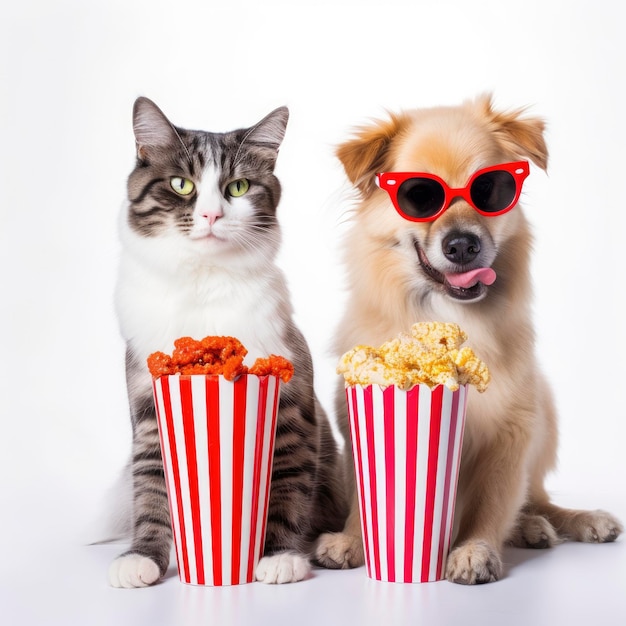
431	354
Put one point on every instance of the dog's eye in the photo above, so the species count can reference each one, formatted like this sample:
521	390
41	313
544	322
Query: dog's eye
421	197
493	190
481	190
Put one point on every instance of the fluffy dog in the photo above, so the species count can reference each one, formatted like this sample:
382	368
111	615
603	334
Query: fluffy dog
402	271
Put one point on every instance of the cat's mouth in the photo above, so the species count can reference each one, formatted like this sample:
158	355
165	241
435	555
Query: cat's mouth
206	234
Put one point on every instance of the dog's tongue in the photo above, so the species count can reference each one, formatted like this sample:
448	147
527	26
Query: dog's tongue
483	275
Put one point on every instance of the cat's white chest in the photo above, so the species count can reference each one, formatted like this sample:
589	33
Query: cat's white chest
154	309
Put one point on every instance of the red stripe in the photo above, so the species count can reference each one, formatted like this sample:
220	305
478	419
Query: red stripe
176	473
271	458
192	472
239	436
256	476
213	435
169	486
369	431
458	462
412	402
446	486
431	477
351	397
390	479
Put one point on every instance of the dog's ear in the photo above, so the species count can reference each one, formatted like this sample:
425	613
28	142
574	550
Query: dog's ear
367	152
519	135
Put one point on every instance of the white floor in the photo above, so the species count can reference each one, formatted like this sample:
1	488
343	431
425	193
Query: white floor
49	579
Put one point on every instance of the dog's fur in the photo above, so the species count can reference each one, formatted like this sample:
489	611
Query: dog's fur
511	431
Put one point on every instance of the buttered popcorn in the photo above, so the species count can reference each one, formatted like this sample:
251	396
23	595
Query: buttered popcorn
431	354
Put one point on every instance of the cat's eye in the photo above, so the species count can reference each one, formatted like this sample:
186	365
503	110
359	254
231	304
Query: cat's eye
182	186
238	187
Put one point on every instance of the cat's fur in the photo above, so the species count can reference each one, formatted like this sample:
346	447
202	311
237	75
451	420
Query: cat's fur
203	264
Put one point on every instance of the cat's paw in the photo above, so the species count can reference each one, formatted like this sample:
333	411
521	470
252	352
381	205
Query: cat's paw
285	567
133	570
593	527
533	531
339	551
473	563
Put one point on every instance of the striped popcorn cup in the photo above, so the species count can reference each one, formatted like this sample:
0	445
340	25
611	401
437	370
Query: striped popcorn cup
407	449
217	442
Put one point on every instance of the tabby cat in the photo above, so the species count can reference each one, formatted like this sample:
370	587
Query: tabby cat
199	238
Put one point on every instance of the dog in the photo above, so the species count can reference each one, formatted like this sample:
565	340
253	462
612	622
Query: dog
438	235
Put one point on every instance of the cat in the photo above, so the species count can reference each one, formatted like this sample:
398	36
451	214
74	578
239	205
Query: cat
199	239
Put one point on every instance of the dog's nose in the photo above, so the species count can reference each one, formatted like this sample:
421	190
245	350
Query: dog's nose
461	248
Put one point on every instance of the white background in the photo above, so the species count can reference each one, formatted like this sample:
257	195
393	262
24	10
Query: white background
69	73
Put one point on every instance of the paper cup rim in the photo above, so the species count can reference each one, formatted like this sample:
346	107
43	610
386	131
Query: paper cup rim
234	380
430	387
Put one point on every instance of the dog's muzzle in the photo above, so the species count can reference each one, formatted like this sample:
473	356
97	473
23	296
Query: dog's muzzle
460	249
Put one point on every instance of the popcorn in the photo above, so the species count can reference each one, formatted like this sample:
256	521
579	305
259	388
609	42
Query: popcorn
431	354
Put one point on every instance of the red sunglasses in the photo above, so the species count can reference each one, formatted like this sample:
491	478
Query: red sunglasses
423	197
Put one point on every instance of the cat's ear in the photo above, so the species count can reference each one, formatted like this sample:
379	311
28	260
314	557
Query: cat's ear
152	129
271	129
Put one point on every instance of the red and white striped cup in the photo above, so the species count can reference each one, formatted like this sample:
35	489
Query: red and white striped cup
407	449
217	442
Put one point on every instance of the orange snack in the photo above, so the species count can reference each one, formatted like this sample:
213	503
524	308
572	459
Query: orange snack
160	364
214	356
273	366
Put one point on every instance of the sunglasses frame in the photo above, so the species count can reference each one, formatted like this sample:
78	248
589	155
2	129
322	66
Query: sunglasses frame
391	182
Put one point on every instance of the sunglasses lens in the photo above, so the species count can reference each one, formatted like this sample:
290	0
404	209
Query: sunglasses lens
493	191
421	198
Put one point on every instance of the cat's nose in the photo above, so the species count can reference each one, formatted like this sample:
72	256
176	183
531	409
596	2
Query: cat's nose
212	216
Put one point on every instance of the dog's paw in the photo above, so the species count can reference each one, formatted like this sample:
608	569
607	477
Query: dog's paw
533	531
593	527
474	563
285	567
133	570
339	551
